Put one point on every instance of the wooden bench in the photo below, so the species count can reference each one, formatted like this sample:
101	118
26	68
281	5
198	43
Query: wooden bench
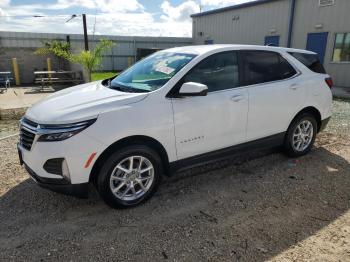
47	78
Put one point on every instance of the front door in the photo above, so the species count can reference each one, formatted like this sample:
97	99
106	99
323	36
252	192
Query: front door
272	40
218	120
317	42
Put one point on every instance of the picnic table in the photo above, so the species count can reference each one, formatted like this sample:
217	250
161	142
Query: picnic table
46	78
5	80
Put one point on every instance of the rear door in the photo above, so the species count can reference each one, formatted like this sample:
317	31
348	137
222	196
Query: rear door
218	120
274	93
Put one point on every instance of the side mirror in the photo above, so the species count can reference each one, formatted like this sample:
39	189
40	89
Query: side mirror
193	89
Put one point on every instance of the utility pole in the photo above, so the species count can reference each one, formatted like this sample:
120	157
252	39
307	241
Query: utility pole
86	41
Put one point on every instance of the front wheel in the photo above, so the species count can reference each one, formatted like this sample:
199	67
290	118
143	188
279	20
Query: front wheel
301	135
129	176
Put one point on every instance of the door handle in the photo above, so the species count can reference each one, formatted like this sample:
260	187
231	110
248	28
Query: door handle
294	86
237	98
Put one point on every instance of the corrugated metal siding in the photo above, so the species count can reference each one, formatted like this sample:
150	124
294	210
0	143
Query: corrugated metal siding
124	47
256	21
335	19
22	45
253	25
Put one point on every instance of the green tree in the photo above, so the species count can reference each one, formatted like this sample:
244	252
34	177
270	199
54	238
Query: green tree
56	48
90	60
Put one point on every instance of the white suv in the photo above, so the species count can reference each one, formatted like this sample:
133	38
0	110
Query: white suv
172	110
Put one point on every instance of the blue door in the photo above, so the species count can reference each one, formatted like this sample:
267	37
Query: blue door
317	42
272	40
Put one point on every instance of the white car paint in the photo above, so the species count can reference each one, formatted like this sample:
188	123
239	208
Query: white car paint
184	127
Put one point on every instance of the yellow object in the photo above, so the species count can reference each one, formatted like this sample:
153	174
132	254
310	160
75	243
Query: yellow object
16	71
49	66
130	61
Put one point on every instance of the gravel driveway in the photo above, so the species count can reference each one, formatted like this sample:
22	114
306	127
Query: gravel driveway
270	207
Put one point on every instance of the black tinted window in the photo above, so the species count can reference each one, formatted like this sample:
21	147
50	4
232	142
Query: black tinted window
218	72
311	61
265	66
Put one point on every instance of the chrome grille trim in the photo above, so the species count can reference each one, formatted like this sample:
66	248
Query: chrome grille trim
27	133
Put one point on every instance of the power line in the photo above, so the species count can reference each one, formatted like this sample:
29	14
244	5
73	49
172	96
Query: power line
41	16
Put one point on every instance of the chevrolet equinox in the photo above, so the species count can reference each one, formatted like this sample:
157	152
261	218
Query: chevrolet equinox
172	110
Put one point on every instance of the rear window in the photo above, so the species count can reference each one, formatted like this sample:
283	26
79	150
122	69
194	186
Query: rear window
311	61
265	66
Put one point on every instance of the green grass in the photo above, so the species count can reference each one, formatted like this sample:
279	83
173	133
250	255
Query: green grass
102	75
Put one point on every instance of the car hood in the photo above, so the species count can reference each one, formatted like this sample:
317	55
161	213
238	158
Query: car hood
80	103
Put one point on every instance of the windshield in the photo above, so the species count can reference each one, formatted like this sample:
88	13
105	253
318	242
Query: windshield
151	73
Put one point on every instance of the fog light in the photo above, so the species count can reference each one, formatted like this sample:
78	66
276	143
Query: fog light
65	170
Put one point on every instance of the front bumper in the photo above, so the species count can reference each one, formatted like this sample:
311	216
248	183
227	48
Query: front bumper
76	151
59	185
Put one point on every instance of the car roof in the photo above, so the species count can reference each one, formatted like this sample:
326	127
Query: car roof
202	49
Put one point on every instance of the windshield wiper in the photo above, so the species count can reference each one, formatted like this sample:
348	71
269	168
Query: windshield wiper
128	89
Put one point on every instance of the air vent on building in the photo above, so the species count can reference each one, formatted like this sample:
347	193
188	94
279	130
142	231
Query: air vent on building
326	2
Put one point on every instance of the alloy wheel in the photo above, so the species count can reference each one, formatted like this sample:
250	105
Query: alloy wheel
132	178
302	136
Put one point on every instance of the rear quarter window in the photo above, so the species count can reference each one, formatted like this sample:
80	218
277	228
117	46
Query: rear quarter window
310	61
265	66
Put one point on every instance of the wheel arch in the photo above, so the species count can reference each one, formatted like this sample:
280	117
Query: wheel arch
127	141
311	110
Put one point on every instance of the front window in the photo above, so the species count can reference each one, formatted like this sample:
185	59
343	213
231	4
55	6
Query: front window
151	73
217	72
341	51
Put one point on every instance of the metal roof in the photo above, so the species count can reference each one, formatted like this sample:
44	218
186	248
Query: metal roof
233	7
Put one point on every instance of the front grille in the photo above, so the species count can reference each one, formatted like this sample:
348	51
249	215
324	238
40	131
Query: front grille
27	133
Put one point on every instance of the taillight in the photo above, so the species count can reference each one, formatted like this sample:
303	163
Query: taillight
329	82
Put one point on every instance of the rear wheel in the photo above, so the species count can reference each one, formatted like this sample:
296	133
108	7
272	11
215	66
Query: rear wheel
301	135
130	176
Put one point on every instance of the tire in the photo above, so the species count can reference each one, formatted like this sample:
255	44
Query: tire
117	170
295	136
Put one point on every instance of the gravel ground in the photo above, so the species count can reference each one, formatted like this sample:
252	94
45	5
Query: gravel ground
8	127
258	207
268	208
340	121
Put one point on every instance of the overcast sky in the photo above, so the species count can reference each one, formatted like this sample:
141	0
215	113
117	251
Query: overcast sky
113	17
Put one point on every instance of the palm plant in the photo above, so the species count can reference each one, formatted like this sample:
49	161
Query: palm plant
90	60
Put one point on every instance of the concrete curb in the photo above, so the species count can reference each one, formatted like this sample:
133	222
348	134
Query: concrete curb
339	97
6	137
341	92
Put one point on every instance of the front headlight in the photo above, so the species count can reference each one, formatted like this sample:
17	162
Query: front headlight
50	133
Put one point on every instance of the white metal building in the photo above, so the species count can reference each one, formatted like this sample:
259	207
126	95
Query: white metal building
322	26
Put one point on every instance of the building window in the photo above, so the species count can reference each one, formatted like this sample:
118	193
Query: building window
341	51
